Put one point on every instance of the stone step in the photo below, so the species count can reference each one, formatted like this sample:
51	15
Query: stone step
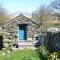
25	44
28	45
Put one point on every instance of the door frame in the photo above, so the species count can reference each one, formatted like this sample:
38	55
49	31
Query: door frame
19	30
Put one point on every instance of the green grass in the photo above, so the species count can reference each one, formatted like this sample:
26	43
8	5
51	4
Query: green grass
21	55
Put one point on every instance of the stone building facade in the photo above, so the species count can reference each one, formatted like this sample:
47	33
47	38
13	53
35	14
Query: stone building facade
20	29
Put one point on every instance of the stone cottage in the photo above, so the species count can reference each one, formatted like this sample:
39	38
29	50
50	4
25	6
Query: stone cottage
20	29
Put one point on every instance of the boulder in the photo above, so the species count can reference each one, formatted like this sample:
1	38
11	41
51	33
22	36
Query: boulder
7	40
5	45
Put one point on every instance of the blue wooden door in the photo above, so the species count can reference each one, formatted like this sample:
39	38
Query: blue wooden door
22	33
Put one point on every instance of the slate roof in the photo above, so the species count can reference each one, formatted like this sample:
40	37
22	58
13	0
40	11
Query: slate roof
21	17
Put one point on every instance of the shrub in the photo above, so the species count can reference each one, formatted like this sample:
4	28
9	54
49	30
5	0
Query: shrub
42	52
45	54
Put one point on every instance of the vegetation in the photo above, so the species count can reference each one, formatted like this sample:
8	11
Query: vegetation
44	17
3	15
41	53
56	6
21	55
45	54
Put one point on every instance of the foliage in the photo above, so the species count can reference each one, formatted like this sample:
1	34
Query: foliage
44	54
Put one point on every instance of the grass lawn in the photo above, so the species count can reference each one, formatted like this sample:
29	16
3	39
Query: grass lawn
21	55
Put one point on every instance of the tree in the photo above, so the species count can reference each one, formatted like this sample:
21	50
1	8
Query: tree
3	15
55	6
42	17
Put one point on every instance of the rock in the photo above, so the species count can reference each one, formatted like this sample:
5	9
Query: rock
34	39
3	48
5	45
3	53
8	51
6	33
29	39
4	36
7	40
14	49
1	33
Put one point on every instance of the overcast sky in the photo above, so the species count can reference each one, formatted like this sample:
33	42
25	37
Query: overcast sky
23	5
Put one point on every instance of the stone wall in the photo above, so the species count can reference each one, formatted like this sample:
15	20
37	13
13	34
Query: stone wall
53	40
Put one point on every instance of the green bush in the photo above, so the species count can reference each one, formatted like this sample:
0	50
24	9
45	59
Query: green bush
42	52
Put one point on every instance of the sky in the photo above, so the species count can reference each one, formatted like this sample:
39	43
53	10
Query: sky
23	5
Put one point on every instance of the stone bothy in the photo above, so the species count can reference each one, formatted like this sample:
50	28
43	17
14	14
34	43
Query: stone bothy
20	29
